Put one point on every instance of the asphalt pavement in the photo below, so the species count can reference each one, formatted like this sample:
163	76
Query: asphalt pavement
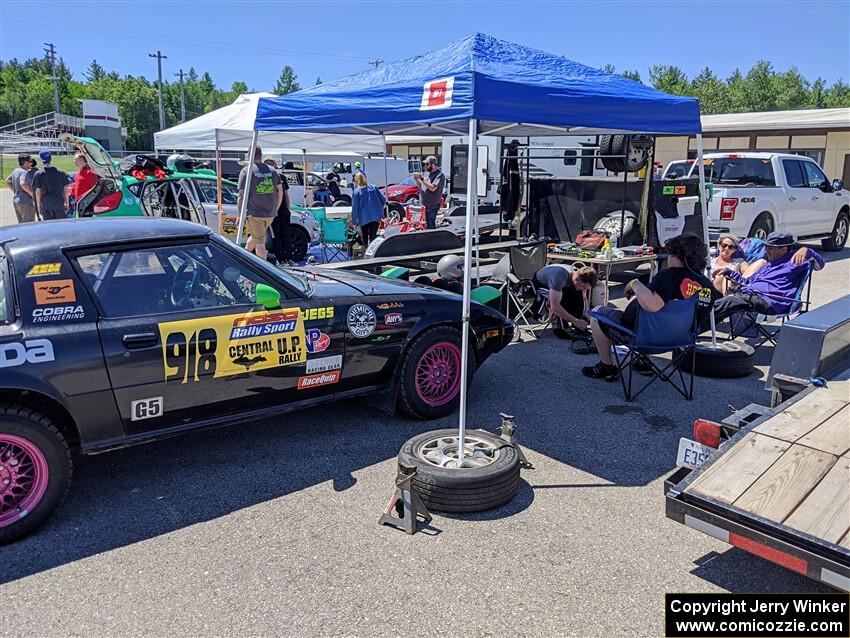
270	528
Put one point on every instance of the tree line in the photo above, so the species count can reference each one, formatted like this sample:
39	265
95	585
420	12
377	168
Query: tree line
26	90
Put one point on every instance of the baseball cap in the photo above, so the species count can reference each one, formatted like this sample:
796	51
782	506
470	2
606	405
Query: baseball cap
356	164
778	240
430	160
45	156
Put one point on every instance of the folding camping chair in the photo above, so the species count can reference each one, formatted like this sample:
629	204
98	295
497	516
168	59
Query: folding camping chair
514	275
671	329
749	323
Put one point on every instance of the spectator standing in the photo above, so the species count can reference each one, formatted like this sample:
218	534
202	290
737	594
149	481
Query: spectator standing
333	180
367	208
431	190
51	194
358	170
283	221
84	180
20	183
261	185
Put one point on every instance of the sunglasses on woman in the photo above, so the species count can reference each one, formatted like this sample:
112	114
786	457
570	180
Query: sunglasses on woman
728	246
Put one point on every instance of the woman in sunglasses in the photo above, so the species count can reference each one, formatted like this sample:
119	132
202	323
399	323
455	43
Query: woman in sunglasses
729	256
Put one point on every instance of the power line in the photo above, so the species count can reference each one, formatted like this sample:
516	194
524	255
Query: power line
159	58
50	52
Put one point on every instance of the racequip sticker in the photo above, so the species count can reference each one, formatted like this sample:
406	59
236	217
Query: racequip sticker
392	317
389	305
44	269
54	291
317	341
231	344
316	380
310	314
30	351
361	320
57	313
324	364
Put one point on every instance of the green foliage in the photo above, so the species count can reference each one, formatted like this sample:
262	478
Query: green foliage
287	82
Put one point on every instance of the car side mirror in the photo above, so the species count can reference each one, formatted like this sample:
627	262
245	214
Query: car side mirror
267	297
837	184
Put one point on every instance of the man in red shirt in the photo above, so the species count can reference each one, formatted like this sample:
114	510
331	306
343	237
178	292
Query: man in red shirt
85	180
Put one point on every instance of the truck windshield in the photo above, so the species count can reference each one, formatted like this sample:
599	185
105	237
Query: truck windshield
739	171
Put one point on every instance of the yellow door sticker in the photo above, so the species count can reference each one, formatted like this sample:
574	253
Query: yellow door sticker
311	314
231	344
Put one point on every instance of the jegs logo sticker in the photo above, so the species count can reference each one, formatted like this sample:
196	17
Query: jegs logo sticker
361	320
310	314
54	291
231	344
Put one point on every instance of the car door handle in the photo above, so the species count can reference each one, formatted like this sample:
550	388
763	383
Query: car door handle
142	340
815	197
792	198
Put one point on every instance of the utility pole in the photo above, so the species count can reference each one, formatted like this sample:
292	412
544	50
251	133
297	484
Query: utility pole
159	58
50	52
182	97
376	63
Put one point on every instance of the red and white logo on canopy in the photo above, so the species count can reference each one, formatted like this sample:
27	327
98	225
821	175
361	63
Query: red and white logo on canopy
437	94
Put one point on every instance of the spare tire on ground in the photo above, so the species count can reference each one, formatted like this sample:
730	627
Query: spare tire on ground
490	480
725	360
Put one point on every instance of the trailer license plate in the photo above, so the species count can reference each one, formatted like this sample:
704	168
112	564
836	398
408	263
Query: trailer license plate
692	454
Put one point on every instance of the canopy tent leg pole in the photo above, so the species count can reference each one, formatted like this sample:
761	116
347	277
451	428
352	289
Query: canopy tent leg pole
625	189
518	217
304	170
471	187
703	204
386	178
219	186
246	192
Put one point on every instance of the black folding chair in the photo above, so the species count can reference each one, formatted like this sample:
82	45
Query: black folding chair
527	298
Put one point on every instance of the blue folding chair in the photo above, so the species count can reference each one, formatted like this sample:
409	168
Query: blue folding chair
671	329
749	323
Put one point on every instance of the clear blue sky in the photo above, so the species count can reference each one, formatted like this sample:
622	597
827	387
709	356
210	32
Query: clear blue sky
251	41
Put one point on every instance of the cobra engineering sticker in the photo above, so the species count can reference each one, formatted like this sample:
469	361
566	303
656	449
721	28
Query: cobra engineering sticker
232	344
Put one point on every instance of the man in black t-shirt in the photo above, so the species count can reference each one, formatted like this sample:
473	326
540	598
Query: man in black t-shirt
49	184
569	292
282	222
683	278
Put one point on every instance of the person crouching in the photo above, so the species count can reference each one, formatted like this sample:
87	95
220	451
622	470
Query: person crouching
569	293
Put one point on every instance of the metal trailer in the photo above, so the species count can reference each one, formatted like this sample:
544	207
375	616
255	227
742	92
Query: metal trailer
816	343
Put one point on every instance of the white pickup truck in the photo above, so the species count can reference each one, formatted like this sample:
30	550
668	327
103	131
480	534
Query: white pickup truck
753	194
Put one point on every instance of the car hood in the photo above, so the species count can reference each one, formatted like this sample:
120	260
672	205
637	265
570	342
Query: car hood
336	282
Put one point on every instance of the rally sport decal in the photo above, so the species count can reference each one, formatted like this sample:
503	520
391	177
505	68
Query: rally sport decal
232	344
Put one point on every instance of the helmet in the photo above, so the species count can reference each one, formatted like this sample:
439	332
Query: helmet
181	162
450	267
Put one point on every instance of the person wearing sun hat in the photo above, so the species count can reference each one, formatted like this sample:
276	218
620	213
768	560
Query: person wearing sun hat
770	291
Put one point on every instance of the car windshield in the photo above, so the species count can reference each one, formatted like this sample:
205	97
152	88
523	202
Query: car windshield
209	192
739	171
678	170
407	181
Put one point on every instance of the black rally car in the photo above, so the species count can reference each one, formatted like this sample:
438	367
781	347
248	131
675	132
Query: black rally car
118	331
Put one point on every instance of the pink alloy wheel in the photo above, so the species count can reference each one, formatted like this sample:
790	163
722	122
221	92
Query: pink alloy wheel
438	374
23	478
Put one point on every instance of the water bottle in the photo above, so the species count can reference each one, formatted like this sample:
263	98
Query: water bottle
615	240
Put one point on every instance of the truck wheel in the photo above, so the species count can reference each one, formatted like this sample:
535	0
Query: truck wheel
299	242
489	478
726	360
762	227
35	470
838	238
613	145
430	374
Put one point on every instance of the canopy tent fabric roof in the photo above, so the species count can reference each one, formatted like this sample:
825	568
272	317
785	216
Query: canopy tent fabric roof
509	88
233	125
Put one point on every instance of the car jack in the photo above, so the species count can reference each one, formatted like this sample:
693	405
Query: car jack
507	431
408	507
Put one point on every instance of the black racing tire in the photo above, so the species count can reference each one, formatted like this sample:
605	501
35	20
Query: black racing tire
299	242
612	145
343	198
318	205
838	237
463	490
340	203
762	227
398	209
29	440
728	360
429	386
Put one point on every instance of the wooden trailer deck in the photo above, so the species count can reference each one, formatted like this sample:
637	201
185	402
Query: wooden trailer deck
793	469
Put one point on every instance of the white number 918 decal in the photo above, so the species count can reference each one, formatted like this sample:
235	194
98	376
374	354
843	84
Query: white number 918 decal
146	409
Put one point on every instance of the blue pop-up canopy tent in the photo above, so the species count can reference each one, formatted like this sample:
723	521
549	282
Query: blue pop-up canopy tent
482	85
